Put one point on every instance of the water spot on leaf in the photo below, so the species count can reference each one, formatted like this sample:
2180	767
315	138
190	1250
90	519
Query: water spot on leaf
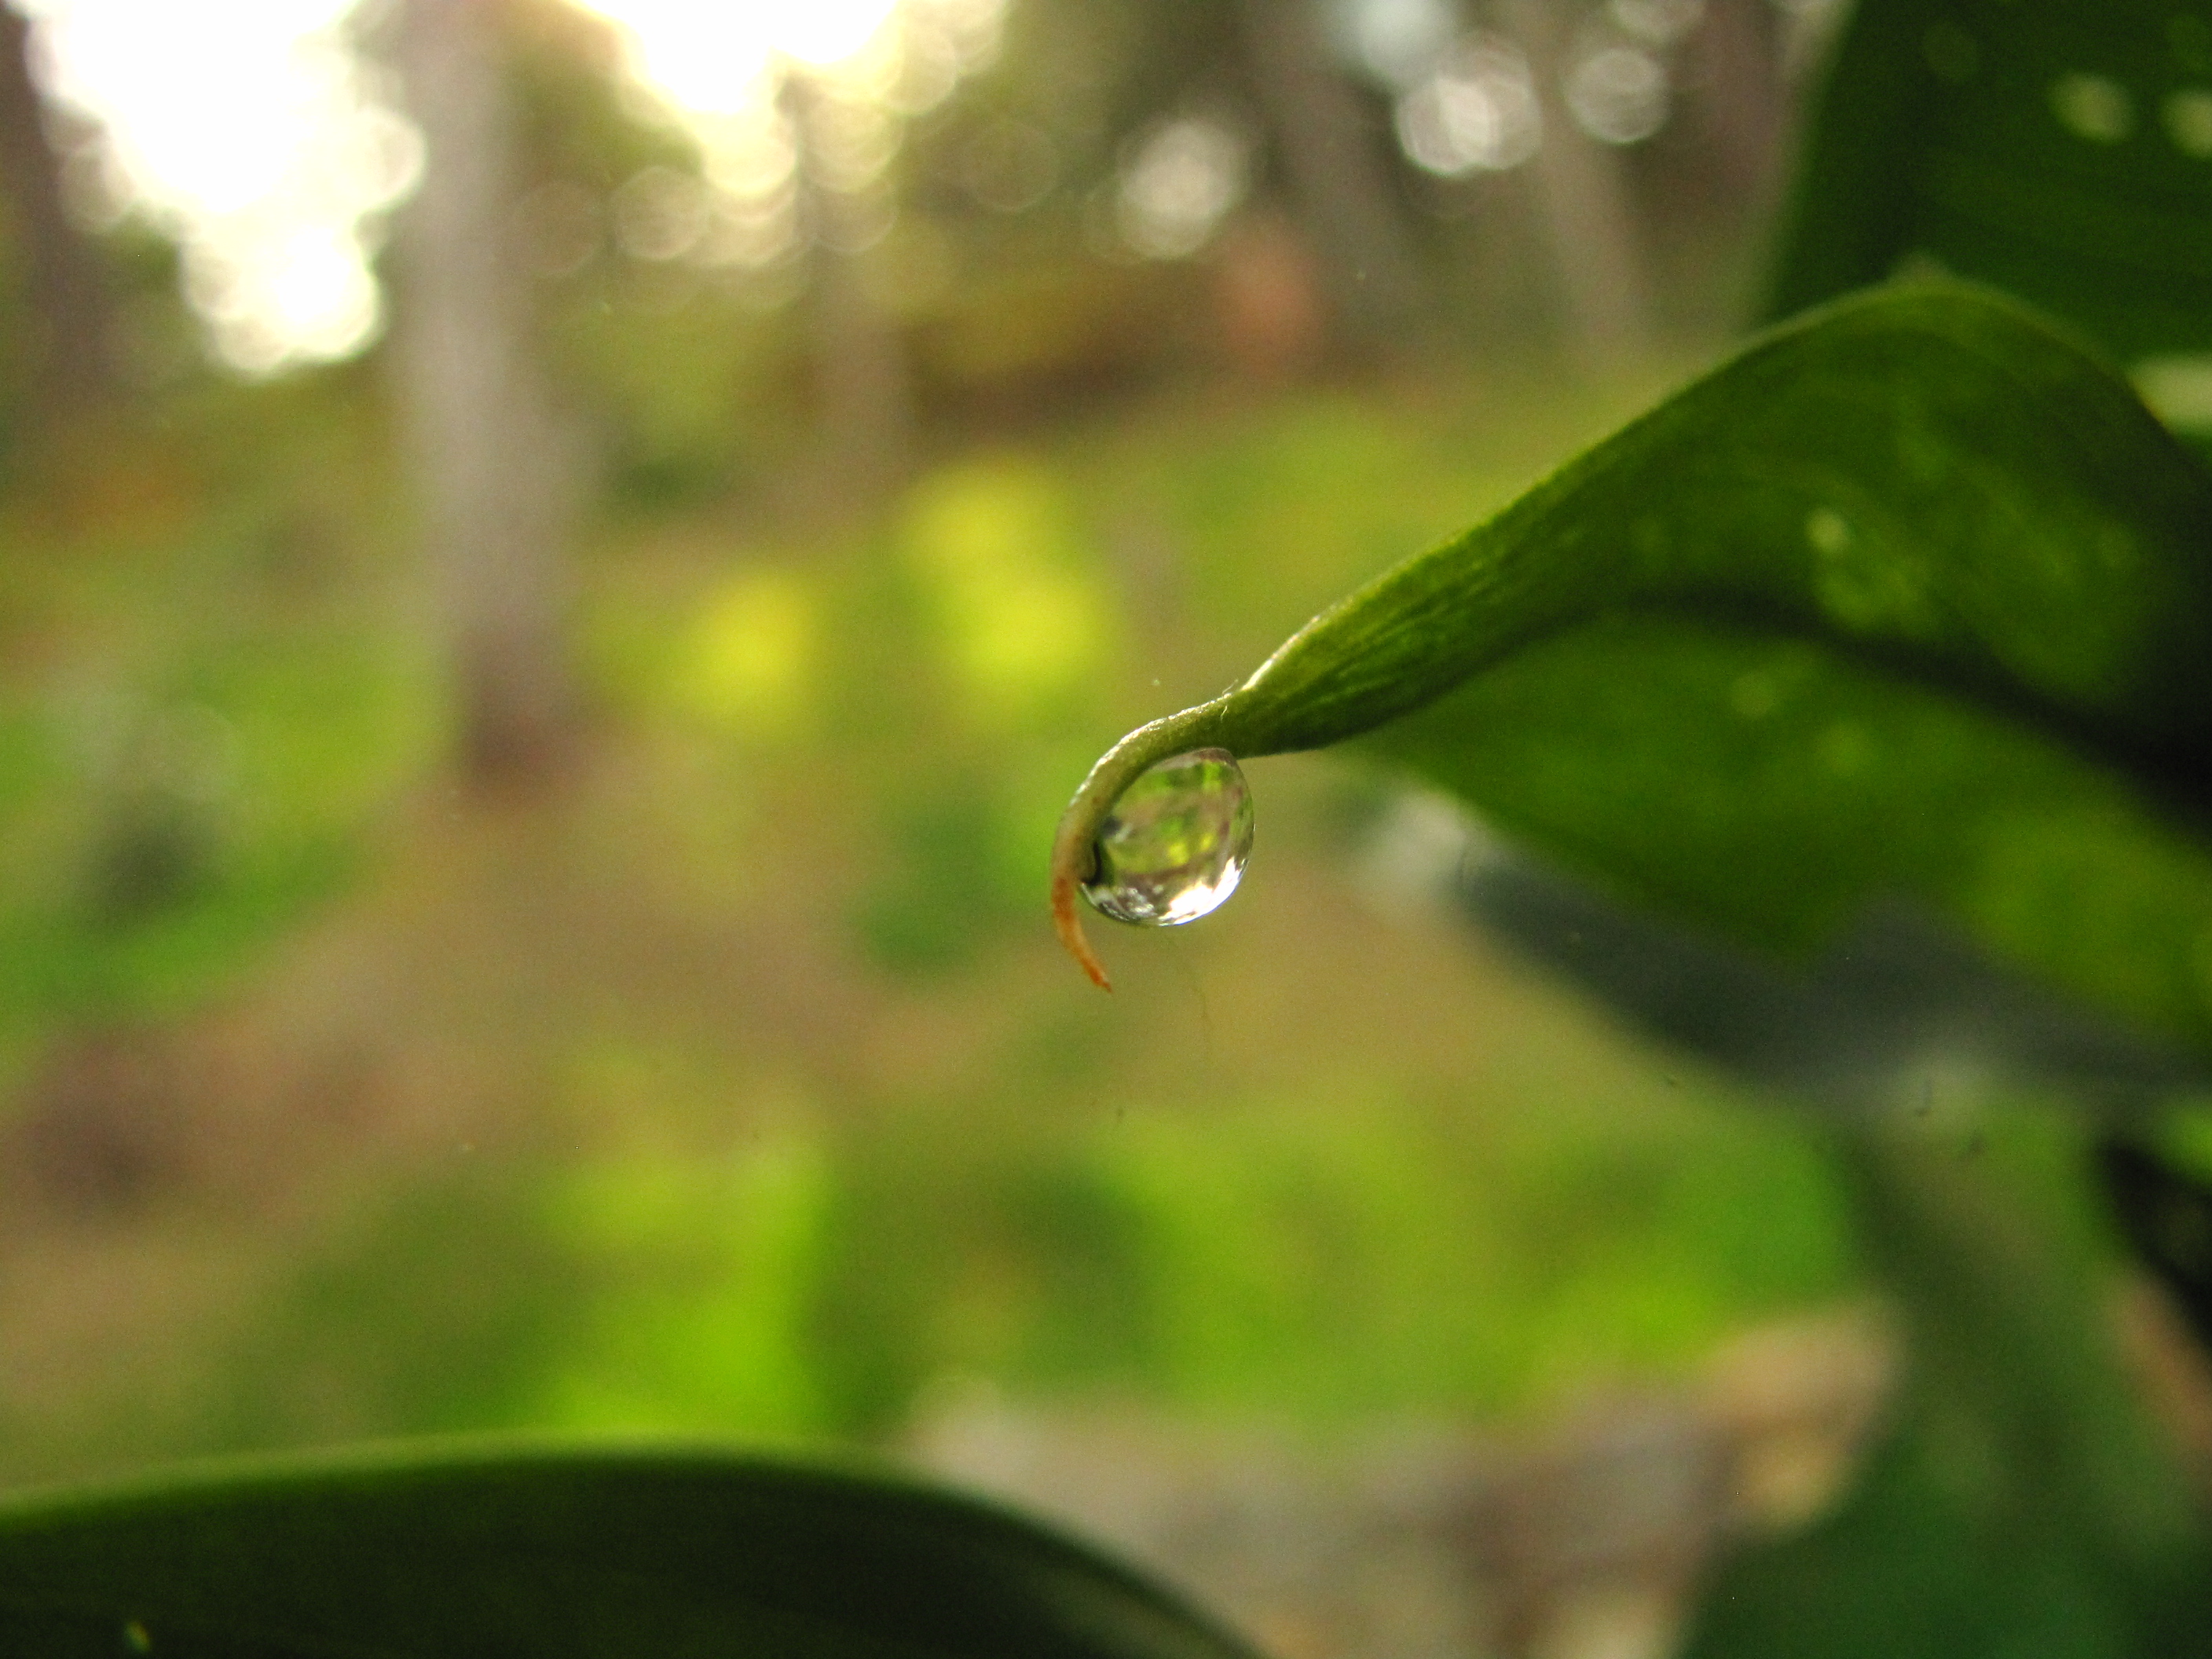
1864	583
1173	849
2187	115
1829	531
2178	388
2094	107
135	1637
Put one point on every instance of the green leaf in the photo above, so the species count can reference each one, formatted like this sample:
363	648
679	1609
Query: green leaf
2060	152
548	1553
1912	597
1770	788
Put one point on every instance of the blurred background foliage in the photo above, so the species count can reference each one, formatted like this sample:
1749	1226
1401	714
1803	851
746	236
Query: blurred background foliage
558	563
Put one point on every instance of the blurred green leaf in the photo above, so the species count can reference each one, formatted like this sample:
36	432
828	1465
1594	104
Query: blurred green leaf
2061	152
1913	597
2024	1503
486	1552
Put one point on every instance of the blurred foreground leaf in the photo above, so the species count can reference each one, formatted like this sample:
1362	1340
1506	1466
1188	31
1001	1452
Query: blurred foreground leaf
1912	599
550	1553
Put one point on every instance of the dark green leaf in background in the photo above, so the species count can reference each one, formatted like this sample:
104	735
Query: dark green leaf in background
1776	790
550	1554
2060	151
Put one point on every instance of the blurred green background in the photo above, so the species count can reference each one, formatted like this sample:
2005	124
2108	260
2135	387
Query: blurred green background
530	733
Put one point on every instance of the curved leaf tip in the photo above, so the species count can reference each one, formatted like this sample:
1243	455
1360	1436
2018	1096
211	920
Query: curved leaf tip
1074	846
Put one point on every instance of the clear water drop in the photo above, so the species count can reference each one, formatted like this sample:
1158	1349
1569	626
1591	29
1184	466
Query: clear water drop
1173	847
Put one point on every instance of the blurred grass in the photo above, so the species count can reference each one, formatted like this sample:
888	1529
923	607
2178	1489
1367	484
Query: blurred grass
1325	1263
211	689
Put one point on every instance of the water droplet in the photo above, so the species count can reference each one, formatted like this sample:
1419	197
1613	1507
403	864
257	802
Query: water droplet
1173	847
136	1637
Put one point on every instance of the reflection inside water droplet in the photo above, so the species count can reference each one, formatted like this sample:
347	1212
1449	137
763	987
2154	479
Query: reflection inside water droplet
1173	847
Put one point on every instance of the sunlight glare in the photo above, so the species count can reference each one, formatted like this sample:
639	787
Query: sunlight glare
715	59
705	60
253	134
718	71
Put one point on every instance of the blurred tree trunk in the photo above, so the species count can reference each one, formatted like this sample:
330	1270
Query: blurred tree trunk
1341	179
863	384
1736	74
1582	198
495	475
64	289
